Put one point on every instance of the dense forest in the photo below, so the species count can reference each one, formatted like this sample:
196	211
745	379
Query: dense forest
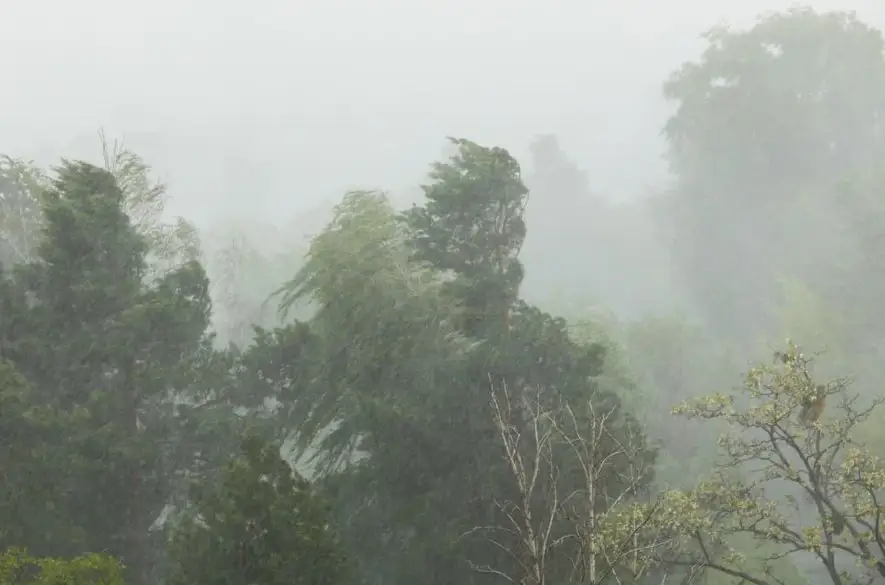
685	392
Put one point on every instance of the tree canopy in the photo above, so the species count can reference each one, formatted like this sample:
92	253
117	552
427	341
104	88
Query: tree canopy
385	404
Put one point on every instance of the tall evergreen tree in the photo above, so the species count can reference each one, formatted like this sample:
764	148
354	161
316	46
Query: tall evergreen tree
471	225
94	340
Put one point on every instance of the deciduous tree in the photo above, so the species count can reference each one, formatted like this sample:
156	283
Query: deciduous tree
768	122
790	488
562	462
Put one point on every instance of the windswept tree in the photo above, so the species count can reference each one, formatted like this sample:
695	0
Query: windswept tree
382	321
387	383
170	243
471	226
368	386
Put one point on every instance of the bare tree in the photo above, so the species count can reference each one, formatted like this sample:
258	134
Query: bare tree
172	241
571	472
21	183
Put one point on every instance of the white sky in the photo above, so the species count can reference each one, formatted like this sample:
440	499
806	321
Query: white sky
268	105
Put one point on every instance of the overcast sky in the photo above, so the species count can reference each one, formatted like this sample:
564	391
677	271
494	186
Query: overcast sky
254	107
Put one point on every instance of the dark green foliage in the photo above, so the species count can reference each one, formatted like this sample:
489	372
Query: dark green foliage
113	355
112	386
119	415
280	364
389	386
29	468
381	328
538	350
263	525
471	224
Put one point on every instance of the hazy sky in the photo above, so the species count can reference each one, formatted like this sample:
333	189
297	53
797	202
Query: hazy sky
250	107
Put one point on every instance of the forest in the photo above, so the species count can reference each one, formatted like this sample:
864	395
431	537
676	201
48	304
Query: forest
382	402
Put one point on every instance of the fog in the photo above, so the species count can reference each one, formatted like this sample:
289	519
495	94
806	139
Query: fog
280	94
263	280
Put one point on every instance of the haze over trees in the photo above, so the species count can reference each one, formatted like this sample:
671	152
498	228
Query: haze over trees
393	398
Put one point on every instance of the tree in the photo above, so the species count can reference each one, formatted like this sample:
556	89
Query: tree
93	339
413	312
472	226
560	179
793	106
768	122
382	320
20	185
369	391
145	201
799	490
553	516
584	247
263	525
566	220
170	244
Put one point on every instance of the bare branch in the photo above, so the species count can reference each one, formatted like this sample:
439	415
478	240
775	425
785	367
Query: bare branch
571	471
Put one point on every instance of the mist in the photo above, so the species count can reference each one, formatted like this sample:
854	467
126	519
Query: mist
396	259
278	96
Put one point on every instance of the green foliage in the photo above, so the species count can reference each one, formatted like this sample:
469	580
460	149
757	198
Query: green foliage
382	326
113	394
387	384
72	344
108	358
788	485
19	568
30	494
262	525
364	226
471	225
